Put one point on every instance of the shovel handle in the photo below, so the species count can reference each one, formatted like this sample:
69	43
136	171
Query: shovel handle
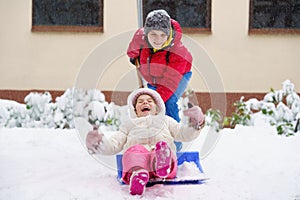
139	75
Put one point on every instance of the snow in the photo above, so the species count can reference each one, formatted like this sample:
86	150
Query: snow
190	171
38	161
248	162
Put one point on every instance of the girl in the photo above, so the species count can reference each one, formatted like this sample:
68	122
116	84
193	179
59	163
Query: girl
147	139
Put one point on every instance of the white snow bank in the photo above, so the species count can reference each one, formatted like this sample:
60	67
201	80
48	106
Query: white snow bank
247	163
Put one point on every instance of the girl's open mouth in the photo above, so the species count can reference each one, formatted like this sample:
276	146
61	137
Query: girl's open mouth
145	109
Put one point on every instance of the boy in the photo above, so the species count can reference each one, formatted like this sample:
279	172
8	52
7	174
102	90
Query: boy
162	60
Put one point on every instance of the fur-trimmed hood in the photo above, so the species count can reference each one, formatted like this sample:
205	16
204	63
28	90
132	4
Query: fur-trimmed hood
136	93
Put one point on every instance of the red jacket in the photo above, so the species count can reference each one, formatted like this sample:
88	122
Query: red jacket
164	68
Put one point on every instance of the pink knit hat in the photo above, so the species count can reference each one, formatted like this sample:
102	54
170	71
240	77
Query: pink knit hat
131	100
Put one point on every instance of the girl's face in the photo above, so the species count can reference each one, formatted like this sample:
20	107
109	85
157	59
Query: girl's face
145	105
157	38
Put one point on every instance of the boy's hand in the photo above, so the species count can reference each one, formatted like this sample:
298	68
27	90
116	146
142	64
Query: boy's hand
196	116
93	140
133	61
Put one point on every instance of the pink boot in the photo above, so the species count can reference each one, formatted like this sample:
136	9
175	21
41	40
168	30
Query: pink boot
163	159
138	181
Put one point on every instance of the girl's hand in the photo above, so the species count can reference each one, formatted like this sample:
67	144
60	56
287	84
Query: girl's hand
93	140
196	116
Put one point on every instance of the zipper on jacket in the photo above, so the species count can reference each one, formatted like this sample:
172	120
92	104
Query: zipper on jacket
148	63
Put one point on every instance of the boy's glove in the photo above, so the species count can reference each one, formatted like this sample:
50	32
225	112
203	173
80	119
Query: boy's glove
93	140
132	60
197	118
135	61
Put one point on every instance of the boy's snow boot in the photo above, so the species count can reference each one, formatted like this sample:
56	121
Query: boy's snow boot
138	181
163	159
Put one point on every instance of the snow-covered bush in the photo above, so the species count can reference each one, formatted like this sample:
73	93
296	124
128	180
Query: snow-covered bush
13	114
40	111
281	108
213	118
241	114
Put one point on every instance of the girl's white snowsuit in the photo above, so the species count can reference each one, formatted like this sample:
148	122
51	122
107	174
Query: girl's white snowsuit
145	131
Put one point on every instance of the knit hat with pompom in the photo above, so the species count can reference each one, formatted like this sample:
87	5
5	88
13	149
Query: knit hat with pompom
158	20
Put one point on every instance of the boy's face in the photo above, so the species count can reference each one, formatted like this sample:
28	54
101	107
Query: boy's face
145	105
157	38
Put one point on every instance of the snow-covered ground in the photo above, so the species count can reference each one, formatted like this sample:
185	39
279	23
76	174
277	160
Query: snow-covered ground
247	163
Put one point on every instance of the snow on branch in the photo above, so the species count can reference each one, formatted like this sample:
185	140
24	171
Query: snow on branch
280	108
39	110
